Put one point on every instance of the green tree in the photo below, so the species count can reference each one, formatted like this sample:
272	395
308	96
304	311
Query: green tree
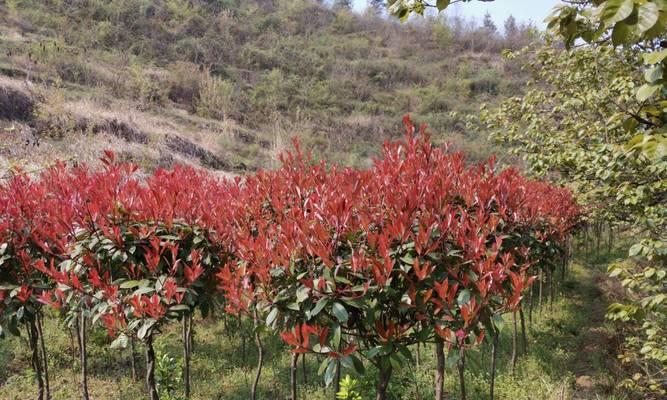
577	124
488	24
342	4
595	118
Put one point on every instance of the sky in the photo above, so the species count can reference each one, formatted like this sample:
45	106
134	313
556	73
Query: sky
523	10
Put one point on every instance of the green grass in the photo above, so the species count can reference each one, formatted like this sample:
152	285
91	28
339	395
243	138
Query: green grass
570	341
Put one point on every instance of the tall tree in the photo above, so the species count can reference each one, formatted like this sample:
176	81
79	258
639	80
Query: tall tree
377	5
342	4
511	28
488	24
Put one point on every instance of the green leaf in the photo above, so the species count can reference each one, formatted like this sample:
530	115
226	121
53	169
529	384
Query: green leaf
498	322
271	318
620	34
120	342
635	250
442	4
302	294
179	307
319	306
337	333
655	57
340	312
358	364
464	297
330	373
616	10
143	290
129	284
646	91
372	353
648	16
143	331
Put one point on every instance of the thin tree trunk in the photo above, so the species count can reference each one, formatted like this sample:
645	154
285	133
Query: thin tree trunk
243	343
440	369
552	292
598	234
133	361
187	340
587	253
524	338
514	342
336	382
260	357
383	383
293	370
83	354
610	240
150	369
71	341
531	304
45	360
303	369
539	302
494	358
418	355
31	329
462	368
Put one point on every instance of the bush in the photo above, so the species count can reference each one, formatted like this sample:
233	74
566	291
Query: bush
185	84
215	97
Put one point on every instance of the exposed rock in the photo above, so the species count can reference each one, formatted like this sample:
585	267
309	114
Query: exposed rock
190	149
15	104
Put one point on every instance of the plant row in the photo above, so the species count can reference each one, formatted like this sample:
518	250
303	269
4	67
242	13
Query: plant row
356	266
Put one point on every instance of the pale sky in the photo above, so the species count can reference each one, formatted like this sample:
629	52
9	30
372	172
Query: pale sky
523	10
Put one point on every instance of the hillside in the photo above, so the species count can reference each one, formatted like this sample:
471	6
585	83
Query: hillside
226	84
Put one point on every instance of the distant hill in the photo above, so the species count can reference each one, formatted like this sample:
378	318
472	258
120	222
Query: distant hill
225	84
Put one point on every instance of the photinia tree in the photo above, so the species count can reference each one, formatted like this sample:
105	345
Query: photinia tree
143	254
415	249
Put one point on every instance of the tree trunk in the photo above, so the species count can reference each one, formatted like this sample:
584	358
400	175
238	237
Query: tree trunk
440	369
31	329
598	234
133	361
531	304
514	342
83	355
336	382
462	368
150	369
539	302
303	369
45	360
71	342
187	348
243	343
260	357
494	358
552	292
524	338
383	383
293	370
418	355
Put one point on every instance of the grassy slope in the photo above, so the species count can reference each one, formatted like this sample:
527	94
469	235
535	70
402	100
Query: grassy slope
569	357
340	82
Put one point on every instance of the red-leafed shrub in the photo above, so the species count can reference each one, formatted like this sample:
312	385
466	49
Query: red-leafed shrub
419	245
341	262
